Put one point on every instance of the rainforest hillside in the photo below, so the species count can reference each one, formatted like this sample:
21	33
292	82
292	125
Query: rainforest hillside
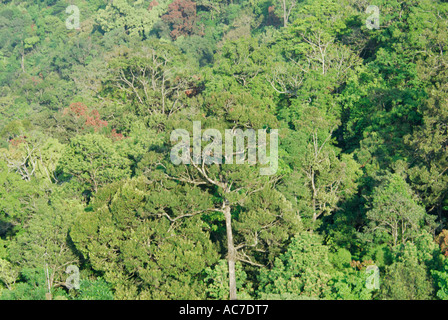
113	116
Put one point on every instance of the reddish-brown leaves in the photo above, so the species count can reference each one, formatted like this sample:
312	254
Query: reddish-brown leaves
92	117
182	18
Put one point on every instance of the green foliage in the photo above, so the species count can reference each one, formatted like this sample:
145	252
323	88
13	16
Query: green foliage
95	290
407	278
320	176
429	175
137	19
303	270
307	270
217	279
395	215
142	250
18	200
34	247
349	285
86	177
8	274
341	258
32	287
441	278
95	160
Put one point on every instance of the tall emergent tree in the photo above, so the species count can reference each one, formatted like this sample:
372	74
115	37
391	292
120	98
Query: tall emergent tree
257	219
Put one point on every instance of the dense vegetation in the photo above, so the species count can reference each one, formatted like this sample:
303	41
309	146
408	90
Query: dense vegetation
86	179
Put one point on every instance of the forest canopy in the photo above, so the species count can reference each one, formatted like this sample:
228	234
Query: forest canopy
351	95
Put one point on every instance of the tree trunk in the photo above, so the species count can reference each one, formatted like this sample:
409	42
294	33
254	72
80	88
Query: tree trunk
285	15
22	63
231	253
314	196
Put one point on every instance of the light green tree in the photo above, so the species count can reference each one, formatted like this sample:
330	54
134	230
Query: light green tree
43	243
395	211
95	160
147	239
304	270
217	280
441	278
407	278
8	274
320	176
137	19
